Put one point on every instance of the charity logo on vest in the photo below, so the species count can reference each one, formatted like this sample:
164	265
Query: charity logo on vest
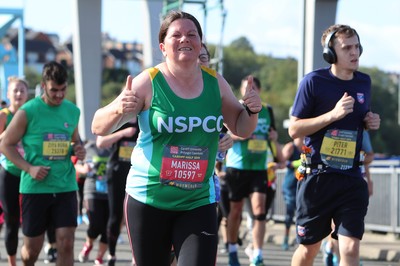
182	124
262	127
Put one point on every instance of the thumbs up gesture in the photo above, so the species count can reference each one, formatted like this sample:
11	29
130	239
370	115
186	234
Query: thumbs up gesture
251	97
128	99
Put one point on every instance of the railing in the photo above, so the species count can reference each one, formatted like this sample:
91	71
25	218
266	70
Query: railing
383	210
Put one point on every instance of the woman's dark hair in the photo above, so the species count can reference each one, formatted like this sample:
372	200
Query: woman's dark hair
171	17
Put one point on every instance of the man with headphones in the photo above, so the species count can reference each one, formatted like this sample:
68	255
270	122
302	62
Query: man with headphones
331	110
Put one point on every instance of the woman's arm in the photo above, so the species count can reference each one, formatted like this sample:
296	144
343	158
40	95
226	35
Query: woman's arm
134	98
236	117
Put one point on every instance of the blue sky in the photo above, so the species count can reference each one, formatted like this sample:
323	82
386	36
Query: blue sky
271	26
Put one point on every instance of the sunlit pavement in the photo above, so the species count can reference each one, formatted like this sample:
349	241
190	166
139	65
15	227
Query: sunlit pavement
376	249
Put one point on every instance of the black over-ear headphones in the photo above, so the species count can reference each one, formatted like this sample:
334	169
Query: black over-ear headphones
329	53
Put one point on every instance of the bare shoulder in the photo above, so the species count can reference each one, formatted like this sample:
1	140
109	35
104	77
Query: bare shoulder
142	87
141	80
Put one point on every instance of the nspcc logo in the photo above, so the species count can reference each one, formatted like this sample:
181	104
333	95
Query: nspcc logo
187	124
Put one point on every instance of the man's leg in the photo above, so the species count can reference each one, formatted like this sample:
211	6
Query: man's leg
31	249
234	220
349	249
305	254
258	207
65	245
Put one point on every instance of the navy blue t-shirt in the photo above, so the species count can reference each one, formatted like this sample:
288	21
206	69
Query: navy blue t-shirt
318	93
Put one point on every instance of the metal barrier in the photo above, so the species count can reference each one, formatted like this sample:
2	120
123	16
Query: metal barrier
383	210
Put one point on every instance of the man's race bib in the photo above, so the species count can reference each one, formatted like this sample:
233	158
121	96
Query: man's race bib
338	148
184	166
257	145
125	150
55	146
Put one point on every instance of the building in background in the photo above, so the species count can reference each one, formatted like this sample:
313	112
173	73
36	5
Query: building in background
42	47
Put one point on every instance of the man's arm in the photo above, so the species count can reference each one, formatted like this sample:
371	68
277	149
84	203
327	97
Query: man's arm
108	140
308	126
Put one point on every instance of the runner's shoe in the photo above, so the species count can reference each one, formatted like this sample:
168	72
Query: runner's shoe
98	261
233	259
285	244
257	261
84	254
249	252
51	255
111	260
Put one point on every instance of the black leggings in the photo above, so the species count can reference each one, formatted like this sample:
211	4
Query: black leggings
223	205
79	196
98	217
153	231
116	194
9	196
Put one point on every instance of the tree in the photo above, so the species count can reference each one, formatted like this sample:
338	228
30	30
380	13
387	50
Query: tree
242	43
384	102
239	61
110	90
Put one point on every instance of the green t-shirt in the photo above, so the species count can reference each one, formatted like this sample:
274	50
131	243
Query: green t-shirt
47	142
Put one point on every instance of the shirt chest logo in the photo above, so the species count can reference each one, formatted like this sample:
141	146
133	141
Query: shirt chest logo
360	97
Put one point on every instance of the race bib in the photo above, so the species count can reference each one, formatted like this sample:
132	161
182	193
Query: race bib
125	150
184	166
338	148
55	146
257	145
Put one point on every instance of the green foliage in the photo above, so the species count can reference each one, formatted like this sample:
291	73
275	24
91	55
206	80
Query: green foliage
384	102
242	43
279	78
113	82
115	75
238	63
110	91
32	77
71	93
